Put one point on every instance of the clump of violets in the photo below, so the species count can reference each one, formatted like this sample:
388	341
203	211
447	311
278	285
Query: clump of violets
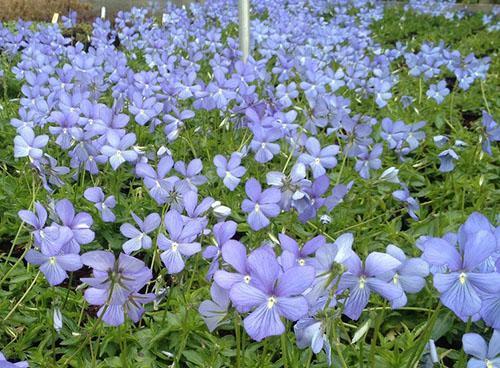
57	246
483	355
464	271
260	205
115	286
103	204
271	293
230	171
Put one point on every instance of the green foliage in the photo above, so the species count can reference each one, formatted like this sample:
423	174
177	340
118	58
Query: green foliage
173	334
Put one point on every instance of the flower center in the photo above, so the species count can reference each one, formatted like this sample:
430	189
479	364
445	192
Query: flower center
395	279
247	279
317	160
462	277
362	282
257	207
489	364
52	260
271	302
174	247
302	262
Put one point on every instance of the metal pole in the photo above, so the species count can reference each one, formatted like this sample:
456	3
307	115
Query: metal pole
243	11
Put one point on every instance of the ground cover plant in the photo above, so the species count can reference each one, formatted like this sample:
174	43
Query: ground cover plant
332	201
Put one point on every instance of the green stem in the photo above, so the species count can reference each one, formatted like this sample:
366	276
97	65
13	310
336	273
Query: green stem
373	346
284	352
428	332
484	98
238	338
22	298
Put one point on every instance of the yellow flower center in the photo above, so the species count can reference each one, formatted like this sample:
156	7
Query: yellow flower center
395	279
52	260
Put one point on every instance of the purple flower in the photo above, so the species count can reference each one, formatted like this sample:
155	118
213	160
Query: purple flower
311	332
230	171
223	232
491	132
291	186
339	192
116	149
115	284
191	173
262	143
67	129
159	187
447	158
372	276
367	161
214	311
484	355
181	243
261	204
5	364
139	238
317	158
234	254
103	205
459	278
79	224
54	264
144	109
274	294
27	145
409	276
403	195
394	133
438	91
293	255
313	201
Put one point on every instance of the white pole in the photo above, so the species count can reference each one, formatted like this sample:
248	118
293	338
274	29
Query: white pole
243	10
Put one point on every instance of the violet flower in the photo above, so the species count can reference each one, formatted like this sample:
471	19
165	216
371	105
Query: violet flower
214	311
317	158
114	284
274	294
409	276
363	279
27	145
181	243
447	158
484	355
230	171
459	279
223	232
103	205
117	150
261	204
139	239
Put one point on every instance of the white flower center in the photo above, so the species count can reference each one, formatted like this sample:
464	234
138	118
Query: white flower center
271	302
362	282
462	278
395	279
317	160
52	260
302	262
247	279
257	207
174	246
